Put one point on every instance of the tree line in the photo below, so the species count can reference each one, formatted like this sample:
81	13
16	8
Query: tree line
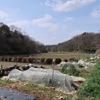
88	42
13	41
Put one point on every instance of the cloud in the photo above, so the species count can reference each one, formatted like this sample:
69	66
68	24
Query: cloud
18	9
54	38
8	19
69	5
76	32
21	24
44	22
55	33
95	13
68	18
64	26
3	14
46	34
41	3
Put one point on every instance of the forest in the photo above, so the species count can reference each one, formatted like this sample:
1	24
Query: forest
13	41
88	42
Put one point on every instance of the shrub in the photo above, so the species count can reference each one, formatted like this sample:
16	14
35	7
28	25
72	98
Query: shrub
24	60
19	59
98	51
42	60
38	60
48	61
30	60
66	60
91	88
80	66
6	59
9	59
34	60
73	59
69	69
14	59
57	61
2	59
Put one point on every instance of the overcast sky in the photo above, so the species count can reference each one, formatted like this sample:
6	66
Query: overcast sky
52	21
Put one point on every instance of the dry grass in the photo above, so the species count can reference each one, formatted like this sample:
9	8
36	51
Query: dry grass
8	64
63	55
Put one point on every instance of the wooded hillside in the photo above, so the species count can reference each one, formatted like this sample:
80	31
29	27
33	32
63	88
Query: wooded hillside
86	42
13	41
